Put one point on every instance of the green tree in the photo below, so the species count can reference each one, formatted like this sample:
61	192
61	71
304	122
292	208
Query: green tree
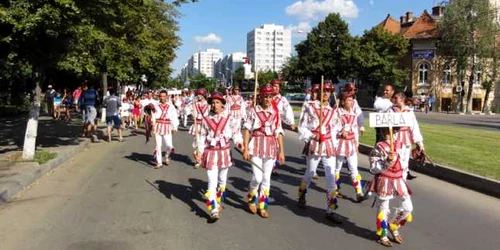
239	75
327	50
292	73
468	34
376	55
266	76
202	81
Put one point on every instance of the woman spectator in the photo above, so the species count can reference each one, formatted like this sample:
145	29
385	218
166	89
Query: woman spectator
136	112
57	104
67	102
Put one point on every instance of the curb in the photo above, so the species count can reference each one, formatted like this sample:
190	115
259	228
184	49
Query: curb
449	174
24	179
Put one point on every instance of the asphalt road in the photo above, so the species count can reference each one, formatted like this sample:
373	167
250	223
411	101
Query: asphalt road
110	197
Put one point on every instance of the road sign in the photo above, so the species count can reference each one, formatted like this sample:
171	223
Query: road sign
423	54
385	120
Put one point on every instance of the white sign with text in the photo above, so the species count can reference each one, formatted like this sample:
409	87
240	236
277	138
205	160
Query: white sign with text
385	120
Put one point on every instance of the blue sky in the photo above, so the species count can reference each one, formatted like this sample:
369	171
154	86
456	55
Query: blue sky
223	24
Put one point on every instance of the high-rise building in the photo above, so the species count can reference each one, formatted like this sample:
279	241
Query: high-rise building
204	62
269	46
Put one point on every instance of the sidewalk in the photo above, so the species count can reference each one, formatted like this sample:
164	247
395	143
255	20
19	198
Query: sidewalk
54	136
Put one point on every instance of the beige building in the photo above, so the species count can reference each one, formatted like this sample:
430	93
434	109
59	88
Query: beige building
429	74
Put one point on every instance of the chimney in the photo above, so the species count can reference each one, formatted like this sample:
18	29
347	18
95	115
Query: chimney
438	11
402	19
409	16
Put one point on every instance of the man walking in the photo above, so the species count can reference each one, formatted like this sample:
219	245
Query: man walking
89	100
113	104
165	122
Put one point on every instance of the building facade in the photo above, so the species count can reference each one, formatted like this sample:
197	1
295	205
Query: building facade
429	74
269	46
204	62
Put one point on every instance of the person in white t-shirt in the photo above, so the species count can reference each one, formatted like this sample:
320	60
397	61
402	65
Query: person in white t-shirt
125	112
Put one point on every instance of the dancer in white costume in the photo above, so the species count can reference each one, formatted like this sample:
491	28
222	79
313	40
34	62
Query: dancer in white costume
389	183
165	122
200	108
264	127
407	135
318	128
347	149
217	129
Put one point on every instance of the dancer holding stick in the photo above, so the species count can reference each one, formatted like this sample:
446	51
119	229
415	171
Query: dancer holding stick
264	127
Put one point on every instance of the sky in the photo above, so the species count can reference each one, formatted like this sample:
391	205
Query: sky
224	24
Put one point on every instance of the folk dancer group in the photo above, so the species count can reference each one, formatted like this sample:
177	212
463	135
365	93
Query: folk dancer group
331	135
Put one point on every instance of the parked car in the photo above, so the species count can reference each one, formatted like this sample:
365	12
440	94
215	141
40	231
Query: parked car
298	97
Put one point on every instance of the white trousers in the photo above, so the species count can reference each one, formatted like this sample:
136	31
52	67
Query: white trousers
405	160
160	140
216	177
312	165
400	213
261	178
352	164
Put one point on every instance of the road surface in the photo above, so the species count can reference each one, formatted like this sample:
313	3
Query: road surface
110	197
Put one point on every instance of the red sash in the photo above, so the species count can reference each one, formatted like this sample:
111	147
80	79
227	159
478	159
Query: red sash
348	119
218	127
201	109
395	170
263	118
326	121
164	112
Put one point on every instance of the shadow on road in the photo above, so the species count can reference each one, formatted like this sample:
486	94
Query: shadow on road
187	194
51	133
283	199
145	159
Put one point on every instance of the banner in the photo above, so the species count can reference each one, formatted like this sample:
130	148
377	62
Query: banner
385	120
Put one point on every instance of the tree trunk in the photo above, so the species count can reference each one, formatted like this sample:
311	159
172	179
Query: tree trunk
32	126
469	90
104	94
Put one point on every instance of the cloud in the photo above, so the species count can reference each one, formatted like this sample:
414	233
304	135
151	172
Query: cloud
371	2
301	29
317	9
210	38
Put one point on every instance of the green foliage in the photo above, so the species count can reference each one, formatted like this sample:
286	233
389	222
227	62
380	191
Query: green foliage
331	51
201	81
126	39
469	31
239	75
327	50
292	73
266	77
376	56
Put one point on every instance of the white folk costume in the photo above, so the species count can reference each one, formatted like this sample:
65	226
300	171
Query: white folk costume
200	108
347	149
165	120
264	127
285	109
217	130
236	106
408	136
387	184
314	134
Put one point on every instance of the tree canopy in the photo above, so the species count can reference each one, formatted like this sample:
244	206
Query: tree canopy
125	39
469	29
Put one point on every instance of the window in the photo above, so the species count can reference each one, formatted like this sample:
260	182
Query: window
423	73
446	75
